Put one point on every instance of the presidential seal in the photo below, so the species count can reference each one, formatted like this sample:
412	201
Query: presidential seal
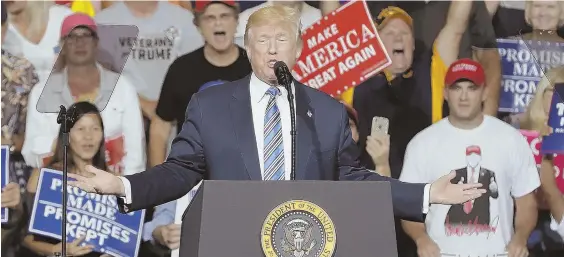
298	228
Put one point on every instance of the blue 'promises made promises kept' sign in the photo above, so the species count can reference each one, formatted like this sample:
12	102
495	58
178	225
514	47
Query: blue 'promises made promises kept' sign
91	215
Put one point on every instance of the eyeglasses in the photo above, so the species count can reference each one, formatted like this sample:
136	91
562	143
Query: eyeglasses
74	38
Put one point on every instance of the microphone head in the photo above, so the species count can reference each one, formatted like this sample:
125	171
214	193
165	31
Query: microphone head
282	73
279	65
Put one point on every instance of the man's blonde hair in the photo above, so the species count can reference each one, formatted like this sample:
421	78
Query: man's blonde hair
274	14
535	115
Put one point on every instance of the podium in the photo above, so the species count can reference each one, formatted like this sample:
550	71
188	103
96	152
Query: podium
289	219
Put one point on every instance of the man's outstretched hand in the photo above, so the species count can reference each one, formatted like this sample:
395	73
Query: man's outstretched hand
445	192
101	182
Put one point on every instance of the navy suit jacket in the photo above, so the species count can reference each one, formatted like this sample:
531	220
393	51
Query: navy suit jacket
217	142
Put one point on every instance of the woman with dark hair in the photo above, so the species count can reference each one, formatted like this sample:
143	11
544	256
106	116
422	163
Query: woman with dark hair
86	139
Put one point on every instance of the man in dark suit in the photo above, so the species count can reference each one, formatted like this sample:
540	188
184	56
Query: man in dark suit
475	212
241	131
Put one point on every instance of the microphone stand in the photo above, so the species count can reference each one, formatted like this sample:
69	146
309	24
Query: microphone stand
66	119
288	87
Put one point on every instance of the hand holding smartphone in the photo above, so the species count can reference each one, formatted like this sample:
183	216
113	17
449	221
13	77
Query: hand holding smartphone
380	125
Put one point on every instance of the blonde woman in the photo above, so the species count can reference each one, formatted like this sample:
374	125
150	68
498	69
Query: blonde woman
536	118
545	17
34	32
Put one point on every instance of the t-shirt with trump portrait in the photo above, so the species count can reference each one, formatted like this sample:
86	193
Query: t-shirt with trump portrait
493	154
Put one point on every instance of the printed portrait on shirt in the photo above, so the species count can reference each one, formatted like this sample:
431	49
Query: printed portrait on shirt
473	217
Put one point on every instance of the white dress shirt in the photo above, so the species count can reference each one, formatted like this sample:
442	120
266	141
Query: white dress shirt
259	102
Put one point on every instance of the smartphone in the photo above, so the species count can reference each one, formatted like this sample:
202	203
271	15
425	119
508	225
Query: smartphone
380	125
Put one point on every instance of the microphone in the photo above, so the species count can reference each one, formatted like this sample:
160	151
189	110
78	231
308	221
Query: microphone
285	79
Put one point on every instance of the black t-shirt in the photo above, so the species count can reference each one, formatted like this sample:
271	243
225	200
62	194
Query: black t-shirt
190	72
406	102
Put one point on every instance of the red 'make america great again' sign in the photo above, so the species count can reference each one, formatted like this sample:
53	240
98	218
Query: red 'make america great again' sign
341	50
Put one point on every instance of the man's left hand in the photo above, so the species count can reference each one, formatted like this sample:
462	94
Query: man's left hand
517	248
445	192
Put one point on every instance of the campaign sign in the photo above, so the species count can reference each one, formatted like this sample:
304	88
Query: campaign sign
341	50
535	142
523	64
554	143
5	176
91	215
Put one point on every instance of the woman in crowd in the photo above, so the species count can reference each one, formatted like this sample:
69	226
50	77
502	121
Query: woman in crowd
545	17
86	141
34	32
535	119
18	77
78	76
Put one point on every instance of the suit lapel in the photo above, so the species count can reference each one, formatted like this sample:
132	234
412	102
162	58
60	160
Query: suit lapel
241	116
304	127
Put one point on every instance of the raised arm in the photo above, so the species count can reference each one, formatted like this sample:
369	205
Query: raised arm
448	41
486	53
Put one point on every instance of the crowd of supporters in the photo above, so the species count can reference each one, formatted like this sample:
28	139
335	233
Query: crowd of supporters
170	50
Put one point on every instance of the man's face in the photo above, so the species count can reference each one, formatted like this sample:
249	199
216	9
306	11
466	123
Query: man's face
80	46
473	160
465	100
269	43
217	25
545	15
397	37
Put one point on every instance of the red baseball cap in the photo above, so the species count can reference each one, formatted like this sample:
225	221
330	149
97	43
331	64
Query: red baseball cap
465	69
473	149
200	6
77	20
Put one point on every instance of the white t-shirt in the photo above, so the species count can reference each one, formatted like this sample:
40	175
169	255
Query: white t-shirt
169	33
309	16
43	54
498	156
559	228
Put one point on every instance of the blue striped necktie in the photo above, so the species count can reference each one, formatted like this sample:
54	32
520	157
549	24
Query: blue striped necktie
273	147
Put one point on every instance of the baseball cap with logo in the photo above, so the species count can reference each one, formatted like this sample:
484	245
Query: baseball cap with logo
467	69
200	6
390	13
76	20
